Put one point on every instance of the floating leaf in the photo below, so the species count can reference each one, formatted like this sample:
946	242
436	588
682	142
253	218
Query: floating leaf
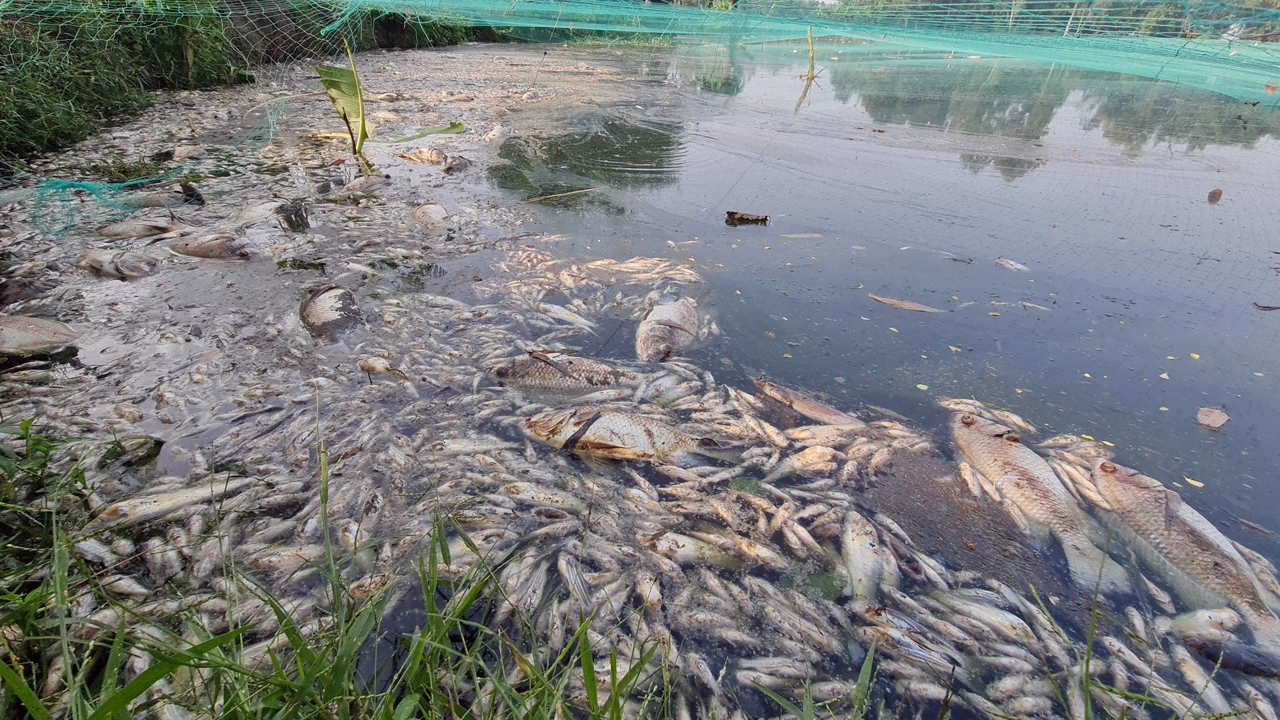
452	128
953	348
1192	483
342	85
893	330
1195	356
1164	376
904	304
1086	437
922	387
1212	418
1214	196
995	314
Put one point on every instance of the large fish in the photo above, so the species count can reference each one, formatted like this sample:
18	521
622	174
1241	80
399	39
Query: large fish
805	405
1197	560
555	372
1034	495
666	330
21	335
616	435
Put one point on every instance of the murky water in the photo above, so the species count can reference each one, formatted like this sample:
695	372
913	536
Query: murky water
906	176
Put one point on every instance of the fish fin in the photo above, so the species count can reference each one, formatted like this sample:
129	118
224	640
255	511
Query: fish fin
543	357
1090	567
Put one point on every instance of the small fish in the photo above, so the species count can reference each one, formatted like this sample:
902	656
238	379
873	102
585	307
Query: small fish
904	304
366	185
187	195
21	335
1034	496
807	406
1198	561
666	330
329	310
137	228
557	372
862	556
220	245
564	314
134	511
617	435
456	165
257	212
118	264
1011	265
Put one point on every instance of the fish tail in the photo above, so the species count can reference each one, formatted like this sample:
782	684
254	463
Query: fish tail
1092	568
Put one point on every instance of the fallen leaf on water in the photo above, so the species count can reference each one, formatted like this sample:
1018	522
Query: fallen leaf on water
1214	196
787	356
1086	437
769	335
1212	418
1266	308
1258	374
1170	357
1192	483
1011	264
1018	390
1108	443
840	380
904	304
1164	409
995	314
954	348
1088	375
1164	376
922	387
1195	356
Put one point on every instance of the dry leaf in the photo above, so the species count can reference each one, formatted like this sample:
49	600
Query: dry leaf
904	304
922	387
1271	88
1192	483
1212	418
1164	376
1214	196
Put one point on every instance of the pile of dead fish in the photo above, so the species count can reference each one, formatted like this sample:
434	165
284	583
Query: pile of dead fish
665	509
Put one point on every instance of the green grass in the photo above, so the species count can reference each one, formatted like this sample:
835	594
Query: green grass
452	666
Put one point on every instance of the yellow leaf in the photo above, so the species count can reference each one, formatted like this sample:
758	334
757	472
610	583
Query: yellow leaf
1192	483
1164	409
893	329
994	314
840	380
1258	374
1170	357
1088	375
1018	390
1108	444
1086	437
922	387
1164	376
787	355
903	304
954	348
1195	356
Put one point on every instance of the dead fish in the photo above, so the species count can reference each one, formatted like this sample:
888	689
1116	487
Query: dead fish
366	185
904	304
1035	497
119	264
560	312
806	406
257	212
618	436
21	335
666	330
329	310
1198	561
186	195
138	228
1011	265
732	218
862	556
552	371
134	511
429	215
212	246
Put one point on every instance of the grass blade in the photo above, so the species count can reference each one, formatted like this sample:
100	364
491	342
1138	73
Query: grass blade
23	693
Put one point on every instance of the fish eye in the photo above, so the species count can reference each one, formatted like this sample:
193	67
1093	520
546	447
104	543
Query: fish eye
1107	466
968	419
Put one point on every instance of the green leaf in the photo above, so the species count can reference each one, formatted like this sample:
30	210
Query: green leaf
452	128
24	693
406	707
588	675
862	691
342	85
783	703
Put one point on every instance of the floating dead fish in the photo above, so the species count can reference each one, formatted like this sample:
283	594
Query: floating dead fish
904	304
329	310
1197	560
562	313
118	264
1034	497
457	165
430	215
186	195
138	228
366	185
212	246
805	405
666	330
734	219
430	156
552	371
257	213
617	436
1011	265
21	335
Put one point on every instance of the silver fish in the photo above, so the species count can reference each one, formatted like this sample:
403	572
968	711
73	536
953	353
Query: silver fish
666	330
21	335
220	245
551	371
118	264
807	406
1035	496
617	435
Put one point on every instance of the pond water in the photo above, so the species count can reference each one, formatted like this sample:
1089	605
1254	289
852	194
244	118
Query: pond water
906	176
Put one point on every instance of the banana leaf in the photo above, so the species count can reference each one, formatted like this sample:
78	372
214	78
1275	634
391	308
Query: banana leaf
342	85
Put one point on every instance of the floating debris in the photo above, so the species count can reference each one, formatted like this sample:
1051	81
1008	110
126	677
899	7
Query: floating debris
1212	418
118	264
904	304
1011	265
734	219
